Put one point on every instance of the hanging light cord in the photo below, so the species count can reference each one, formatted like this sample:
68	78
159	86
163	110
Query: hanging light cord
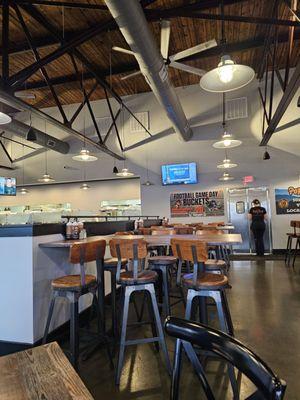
224	111
223	38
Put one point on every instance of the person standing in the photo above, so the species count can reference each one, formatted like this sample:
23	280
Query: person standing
257	216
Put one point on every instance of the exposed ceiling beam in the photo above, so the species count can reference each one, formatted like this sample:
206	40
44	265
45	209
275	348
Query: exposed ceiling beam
66	4
285	101
46	41
194	14
21	105
127	68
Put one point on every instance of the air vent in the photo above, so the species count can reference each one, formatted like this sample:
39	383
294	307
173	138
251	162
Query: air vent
135	126
236	108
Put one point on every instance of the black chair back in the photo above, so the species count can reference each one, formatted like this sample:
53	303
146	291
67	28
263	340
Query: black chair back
269	386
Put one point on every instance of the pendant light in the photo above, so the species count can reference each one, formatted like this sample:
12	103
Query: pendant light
23	190
226	177
125	173
226	164
227	141
147	182
4	118
84	186
84	154
115	168
227	76
46	178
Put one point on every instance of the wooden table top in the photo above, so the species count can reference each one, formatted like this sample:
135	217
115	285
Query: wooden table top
155	240
42	372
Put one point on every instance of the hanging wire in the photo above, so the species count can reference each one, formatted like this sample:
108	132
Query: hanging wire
223	111
46	150
223	38
23	174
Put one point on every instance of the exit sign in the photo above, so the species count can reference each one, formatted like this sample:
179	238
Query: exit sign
248	179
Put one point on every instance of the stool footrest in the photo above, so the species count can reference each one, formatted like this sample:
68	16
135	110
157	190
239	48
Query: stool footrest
140	341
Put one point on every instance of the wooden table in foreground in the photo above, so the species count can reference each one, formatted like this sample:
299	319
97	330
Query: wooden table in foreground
156	240
42	372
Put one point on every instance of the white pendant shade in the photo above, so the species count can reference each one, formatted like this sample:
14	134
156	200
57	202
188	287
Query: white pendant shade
125	172
227	164
84	186
4	118
227	142
148	183
226	177
84	156
46	178
227	76
23	191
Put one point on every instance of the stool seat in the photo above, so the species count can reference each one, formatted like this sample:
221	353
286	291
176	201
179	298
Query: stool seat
70	282
206	281
113	262
162	260
126	278
215	264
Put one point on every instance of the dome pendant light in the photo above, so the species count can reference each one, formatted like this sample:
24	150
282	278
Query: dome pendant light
226	177
23	190
227	141
125	173
46	178
84	186
227	164
4	118
147	182
84	156
227	76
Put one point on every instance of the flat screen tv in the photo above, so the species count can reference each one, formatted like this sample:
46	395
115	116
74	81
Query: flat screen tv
176	174
8	186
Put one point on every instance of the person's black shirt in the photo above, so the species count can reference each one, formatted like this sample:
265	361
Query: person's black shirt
258	214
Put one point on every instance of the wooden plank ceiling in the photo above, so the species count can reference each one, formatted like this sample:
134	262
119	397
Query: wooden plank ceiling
185	33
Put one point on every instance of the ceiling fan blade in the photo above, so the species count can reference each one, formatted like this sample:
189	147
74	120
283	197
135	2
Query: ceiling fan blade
130	75
187	68
193	50
24	95
121	50
165	38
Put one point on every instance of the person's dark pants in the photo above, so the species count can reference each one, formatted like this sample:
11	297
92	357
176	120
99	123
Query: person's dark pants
258	233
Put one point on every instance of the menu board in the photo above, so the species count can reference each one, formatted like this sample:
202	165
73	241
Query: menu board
8	186
287	200
195	204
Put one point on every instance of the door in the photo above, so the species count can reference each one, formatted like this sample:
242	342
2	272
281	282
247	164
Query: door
239	203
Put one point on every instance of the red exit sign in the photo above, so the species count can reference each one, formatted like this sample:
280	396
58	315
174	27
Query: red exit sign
248	179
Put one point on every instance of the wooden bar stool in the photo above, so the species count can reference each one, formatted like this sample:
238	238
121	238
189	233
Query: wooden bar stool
138	279
201	283
184	230
290	236
72	287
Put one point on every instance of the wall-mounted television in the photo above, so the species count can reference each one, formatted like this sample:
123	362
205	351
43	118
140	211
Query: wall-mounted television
8	186
176	174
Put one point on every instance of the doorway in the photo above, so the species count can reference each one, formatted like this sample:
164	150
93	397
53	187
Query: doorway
239	203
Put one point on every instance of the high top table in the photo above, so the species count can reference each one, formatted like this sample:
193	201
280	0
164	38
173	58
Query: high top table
218	239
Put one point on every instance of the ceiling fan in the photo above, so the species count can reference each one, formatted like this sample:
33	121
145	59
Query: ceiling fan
172	61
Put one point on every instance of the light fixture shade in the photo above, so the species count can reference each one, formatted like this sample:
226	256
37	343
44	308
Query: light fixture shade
23	191
84	156
227	164
227	76
115	170
148	183
226	177
4	118
46	178
125	173
84	186
227	142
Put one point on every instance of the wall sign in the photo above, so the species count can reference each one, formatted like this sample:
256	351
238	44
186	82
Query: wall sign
197	204
287	200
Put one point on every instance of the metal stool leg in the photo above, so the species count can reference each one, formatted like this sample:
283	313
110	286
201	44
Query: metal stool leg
159	328
74	337
50	313
128	291
166	297
189	303
296	252
227	313
288	251
114	317
152	318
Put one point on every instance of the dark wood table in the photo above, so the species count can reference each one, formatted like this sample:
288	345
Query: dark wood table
39	373
217	239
